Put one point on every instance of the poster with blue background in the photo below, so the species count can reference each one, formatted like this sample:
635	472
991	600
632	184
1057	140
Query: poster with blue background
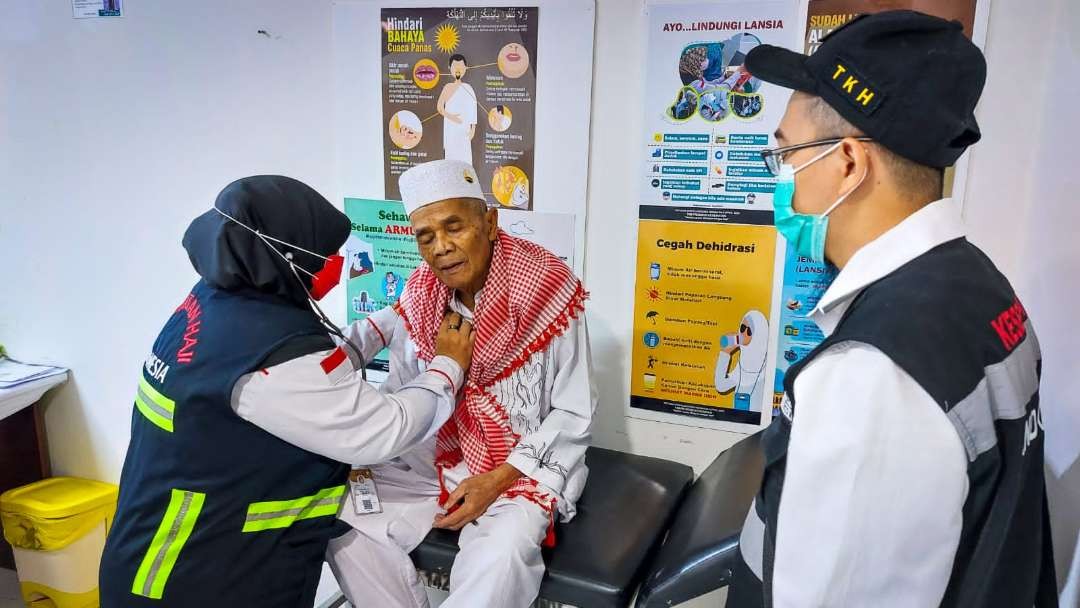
805	281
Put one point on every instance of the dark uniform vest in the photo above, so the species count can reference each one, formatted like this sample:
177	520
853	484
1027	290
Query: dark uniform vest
952	322
213	510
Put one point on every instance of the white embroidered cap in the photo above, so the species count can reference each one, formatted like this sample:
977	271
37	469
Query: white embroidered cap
436	181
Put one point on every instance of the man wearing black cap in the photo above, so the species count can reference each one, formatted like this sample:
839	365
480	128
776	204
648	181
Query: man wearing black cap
913	472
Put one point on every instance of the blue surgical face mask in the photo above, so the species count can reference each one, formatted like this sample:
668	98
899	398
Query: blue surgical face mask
805	232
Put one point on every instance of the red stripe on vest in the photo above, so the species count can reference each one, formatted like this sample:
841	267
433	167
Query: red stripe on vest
331	362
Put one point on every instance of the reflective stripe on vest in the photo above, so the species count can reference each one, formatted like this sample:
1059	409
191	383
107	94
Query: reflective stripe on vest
156	407
283	513
174	531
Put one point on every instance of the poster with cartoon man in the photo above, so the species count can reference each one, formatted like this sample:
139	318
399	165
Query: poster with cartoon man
460	83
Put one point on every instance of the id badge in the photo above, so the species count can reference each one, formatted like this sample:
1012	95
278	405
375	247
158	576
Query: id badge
365	497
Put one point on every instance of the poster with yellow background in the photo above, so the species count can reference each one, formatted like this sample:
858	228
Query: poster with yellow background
702	299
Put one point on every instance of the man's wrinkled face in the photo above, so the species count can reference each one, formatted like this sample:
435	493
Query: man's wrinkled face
456	237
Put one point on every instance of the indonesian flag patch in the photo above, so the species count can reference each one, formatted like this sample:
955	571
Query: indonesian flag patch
336	365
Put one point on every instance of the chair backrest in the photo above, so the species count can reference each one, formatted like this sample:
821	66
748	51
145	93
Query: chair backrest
702	546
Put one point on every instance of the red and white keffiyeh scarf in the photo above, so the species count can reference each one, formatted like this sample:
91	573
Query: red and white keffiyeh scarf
529	298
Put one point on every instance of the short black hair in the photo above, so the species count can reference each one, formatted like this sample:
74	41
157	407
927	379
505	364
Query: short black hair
457	57
479	206
918	181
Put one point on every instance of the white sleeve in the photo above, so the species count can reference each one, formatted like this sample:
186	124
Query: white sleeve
876	479
342	417
405	363
723	380
371	334
553	450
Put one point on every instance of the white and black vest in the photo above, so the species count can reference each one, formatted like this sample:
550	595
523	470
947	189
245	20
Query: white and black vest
954	324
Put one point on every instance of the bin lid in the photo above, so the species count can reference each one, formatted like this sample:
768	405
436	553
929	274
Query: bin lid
59	497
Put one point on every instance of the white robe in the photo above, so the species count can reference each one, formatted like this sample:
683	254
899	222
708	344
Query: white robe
550	401
456	141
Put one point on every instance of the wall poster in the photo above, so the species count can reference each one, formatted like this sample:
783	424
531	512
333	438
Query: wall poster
701	313
706	241
461	83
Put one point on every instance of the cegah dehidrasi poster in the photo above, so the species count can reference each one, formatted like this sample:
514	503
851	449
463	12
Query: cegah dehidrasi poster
701	314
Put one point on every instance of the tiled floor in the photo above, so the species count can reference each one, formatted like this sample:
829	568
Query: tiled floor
9	590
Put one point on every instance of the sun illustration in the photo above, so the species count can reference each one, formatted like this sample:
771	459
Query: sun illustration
447	38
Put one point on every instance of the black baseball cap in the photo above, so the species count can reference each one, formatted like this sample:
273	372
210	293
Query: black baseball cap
907	79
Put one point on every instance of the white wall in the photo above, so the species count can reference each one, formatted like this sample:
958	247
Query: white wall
1022	208
115	133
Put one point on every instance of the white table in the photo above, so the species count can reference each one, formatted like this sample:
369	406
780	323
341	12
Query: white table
19	397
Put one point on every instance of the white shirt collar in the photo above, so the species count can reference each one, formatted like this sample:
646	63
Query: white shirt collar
457	306
936	223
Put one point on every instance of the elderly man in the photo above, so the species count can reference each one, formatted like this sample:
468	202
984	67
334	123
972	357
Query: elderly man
511	457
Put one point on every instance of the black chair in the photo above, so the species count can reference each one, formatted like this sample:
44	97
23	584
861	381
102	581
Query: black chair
601	555
702	546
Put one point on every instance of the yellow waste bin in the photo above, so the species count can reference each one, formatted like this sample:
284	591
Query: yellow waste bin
57	529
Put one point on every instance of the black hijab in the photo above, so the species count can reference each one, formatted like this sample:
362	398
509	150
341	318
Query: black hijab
230	257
